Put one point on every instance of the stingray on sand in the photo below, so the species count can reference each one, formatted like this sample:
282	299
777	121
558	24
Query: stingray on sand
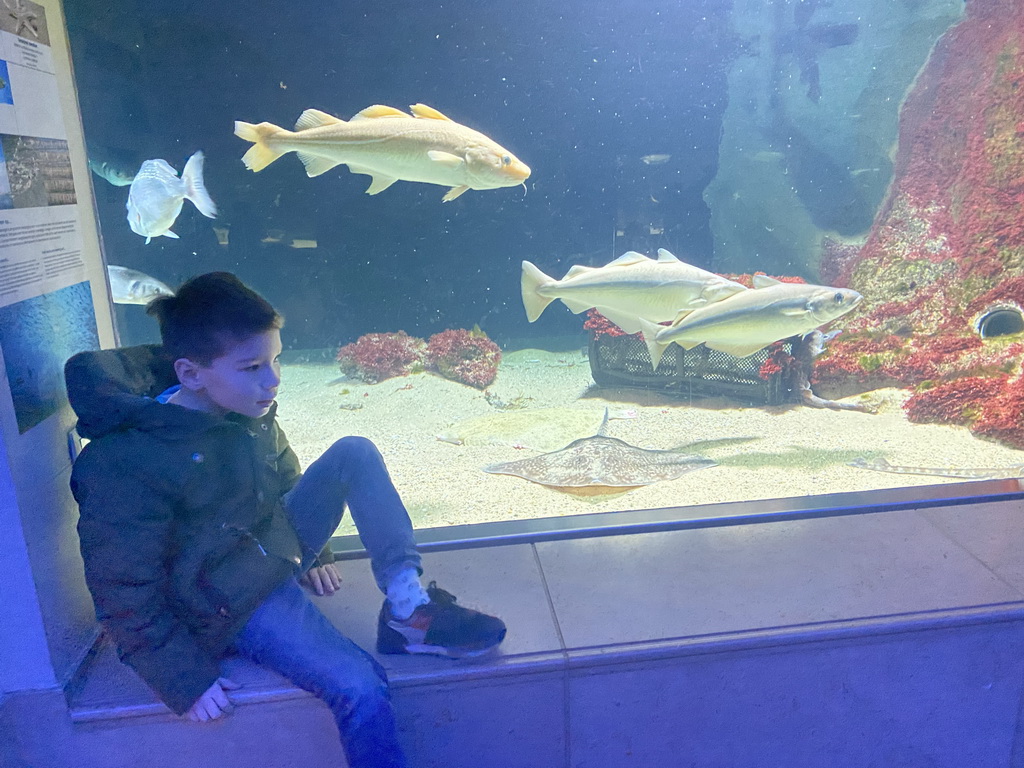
601	464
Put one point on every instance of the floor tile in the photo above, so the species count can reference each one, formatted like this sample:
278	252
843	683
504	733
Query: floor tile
504	581
993	532
688	583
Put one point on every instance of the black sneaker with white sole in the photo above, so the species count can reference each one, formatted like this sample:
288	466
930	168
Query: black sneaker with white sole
441	627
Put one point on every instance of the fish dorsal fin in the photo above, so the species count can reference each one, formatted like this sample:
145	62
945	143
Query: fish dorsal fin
604	425
314	118
577	269
429	113
379	110
629	257
763	281
665	256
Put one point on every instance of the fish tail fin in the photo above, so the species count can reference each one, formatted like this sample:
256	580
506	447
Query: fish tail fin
260	155
533	279
195	188
649	331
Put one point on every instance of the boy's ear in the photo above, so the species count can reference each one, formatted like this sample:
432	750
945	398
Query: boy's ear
189	374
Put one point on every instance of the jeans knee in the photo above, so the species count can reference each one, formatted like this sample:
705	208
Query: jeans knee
355	448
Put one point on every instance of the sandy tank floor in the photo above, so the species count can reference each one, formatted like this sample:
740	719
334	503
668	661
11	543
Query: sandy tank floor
765	452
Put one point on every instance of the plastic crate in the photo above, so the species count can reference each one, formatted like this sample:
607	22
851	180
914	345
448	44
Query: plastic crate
623	361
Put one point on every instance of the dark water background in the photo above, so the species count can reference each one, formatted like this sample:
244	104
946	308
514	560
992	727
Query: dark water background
580	92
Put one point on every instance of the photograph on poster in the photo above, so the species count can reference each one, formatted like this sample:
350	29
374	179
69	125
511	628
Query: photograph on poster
38	171
24	19
37	336
6	201
6	97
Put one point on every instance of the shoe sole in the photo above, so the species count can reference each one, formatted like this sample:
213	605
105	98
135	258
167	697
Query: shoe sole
450	653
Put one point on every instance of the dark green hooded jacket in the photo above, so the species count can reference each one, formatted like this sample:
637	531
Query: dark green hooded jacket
181	525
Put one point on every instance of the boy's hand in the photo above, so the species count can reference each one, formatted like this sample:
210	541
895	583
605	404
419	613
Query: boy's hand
214	703
323	579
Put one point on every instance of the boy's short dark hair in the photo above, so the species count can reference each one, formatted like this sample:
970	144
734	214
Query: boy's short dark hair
210	313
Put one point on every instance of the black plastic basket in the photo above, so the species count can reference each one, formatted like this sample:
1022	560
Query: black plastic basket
623	361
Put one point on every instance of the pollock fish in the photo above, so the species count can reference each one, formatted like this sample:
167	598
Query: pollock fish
157	194
389	145
631	288
129	286
746	322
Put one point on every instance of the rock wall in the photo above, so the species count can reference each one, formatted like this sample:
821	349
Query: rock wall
942	271
811	124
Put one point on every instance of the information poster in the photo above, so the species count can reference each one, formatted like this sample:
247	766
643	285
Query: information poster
43	275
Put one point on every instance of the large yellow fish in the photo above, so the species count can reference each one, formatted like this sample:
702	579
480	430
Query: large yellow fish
389	145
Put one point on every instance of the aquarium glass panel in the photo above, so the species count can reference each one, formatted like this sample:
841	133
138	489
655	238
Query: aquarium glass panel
558	258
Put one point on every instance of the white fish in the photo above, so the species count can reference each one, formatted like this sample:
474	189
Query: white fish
631	288
748	321
113	173
389	145
156	196
129	286
655	159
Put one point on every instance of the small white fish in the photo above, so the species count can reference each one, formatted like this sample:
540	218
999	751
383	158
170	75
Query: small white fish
129	286
115	174
389	145
746	322
655	159
631	288
156	196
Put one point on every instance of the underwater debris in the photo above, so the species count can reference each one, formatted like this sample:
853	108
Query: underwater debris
516	403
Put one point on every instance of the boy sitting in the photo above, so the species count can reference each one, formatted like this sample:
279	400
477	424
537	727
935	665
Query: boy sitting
196	523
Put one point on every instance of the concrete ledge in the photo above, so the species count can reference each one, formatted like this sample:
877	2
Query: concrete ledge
894	638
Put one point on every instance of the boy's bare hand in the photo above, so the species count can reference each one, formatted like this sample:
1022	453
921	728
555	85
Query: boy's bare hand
214	703
323	579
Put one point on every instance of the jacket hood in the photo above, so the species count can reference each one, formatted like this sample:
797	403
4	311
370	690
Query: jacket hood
113	389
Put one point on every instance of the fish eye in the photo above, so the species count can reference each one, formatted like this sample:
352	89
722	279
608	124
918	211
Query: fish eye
506	160
838	298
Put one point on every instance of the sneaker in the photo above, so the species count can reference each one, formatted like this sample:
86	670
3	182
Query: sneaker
440	627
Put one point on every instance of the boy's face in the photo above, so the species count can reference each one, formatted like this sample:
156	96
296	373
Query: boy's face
243	380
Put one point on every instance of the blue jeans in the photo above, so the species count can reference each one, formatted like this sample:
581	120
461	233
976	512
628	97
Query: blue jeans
288	634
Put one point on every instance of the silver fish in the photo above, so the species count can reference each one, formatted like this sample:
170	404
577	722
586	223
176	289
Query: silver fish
113	173
129	286
631	288
389	145
748	321
156	196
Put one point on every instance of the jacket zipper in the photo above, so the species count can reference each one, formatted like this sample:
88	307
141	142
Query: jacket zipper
245	533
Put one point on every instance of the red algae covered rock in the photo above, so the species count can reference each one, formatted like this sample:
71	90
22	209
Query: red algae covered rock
947	246
599	325
379	356
465	356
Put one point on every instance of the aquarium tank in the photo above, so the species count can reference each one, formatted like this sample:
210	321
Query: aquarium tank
561	258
